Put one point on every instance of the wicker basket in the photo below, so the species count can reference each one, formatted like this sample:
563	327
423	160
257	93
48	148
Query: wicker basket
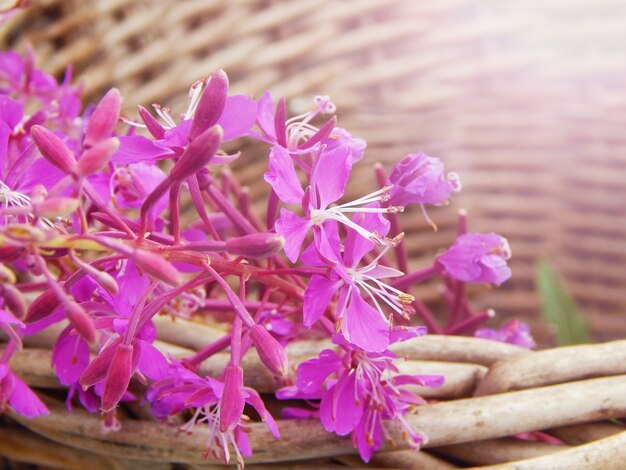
525	100
493	390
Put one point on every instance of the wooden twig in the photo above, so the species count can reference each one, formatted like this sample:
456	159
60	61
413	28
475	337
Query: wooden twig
578	434
457	349
418	460
493	451
605	454
444	423
553	366
24	446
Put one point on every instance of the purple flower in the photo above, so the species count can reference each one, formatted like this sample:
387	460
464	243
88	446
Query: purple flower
477	257
513	332
126	352
208	105
327	184
358	392
361	324
183	389
296	135
420	179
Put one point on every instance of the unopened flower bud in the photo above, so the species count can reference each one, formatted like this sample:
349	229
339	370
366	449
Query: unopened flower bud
271	353
56	207
157	266
118	377
96	157
97	369
10	253
153	126
14	300
197	154
232	402
104	118
53	149
81	321
42	306
256	245
211	104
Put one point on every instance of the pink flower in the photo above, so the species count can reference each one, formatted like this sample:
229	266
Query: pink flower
208	105
420	179
513	332
360	323
327	184
296	135
365	391
183	389
477	257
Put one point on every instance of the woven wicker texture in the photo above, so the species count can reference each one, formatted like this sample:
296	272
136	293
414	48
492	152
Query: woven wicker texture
526	100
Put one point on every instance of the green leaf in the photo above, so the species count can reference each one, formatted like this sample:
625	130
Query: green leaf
559	308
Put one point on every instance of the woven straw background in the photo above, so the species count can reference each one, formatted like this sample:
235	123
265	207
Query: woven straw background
526	100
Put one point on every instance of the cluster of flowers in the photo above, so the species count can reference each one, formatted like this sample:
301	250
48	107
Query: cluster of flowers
92	238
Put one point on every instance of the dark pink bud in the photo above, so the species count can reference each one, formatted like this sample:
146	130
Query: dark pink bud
232	402
42	306
157	266
97	369
153	126
197	154
211	104
104	118
53	149
81	321
14	300
270	351
117	377
256	245
96	157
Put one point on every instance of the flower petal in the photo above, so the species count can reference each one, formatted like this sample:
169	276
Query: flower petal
282	176
294	230
364	326
330	175
317	297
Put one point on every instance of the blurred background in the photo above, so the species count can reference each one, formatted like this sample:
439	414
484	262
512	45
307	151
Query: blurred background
526	100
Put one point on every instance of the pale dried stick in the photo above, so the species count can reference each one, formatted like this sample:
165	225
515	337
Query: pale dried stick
493	451
553	366
23	446
185	333
419	460
461	379
605	454
456	349
444	423
511	413
34	367
578	434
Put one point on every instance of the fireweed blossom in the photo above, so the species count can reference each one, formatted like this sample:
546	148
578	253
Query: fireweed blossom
91	230
361	324
327	184
359	393
208	103
477	257
206	400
